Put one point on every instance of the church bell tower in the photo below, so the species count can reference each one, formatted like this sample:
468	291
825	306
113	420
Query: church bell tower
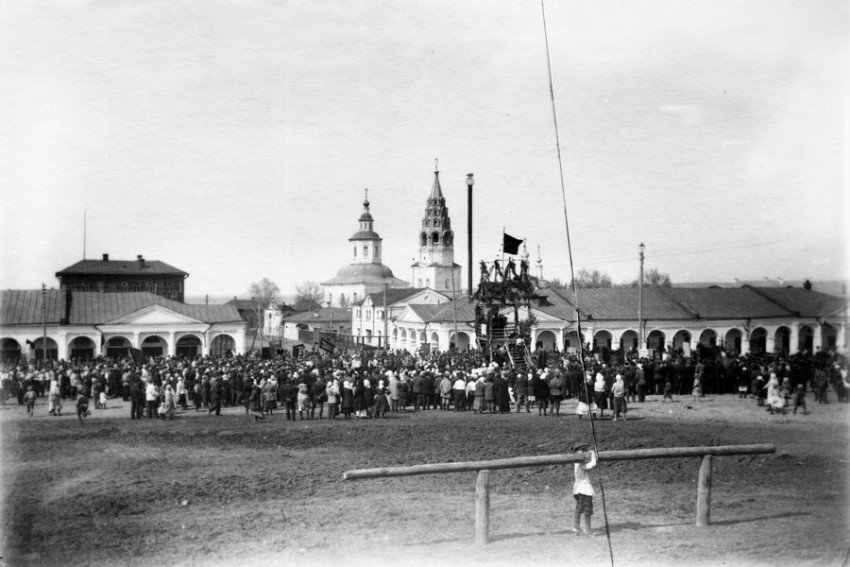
435	267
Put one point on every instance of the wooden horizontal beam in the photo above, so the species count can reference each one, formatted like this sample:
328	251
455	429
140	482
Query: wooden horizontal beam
562	459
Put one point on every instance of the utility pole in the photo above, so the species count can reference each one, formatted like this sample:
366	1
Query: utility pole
386	320
641	343
454	308
44	323
469	183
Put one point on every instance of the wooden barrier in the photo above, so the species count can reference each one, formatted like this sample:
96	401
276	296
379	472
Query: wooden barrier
483	468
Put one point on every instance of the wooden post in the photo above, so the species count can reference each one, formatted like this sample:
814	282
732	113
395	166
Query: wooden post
704	493
482	508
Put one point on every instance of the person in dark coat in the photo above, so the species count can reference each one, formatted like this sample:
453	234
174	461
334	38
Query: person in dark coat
540	389
347	395
215	396
500	390
521	392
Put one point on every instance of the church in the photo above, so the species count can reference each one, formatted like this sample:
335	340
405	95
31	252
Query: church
366	273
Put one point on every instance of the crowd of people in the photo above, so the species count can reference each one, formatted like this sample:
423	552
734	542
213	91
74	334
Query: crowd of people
365	384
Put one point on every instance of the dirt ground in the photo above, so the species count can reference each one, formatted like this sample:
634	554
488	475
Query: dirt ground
204	490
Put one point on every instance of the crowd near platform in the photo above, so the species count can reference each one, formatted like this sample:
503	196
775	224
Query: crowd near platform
368	384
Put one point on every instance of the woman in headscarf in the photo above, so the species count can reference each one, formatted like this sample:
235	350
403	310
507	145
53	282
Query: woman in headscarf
600	396
618	391
359	402
775	402
586	405
347	395
169	401
332	394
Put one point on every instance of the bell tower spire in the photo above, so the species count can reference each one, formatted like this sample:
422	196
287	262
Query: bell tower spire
436	243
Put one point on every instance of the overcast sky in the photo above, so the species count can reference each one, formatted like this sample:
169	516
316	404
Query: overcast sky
234	139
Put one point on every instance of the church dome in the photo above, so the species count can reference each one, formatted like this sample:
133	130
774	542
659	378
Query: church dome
363	273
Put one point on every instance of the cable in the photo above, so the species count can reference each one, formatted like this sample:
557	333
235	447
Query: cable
572	271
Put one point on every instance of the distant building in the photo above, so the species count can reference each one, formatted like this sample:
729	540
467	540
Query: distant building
375	317
365	273
306	325
247	311
273	318
137	275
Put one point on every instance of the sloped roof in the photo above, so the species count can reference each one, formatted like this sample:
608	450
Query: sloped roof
806	303
690	303
324	314
722	303
23	307
121	267
242	304
425	312
394	295
462	309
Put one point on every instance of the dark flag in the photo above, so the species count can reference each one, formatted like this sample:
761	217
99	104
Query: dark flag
510	245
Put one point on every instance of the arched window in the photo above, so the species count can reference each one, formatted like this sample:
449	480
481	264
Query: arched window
355	251
435	238
365	250
428	282
423	239
447	284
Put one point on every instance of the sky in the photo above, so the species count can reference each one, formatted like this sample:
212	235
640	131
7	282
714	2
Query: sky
234	139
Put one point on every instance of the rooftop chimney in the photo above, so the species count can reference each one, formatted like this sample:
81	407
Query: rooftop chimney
106	257
141	260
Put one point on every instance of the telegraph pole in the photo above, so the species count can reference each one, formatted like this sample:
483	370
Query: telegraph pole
641	344
386	320
469	183
44	323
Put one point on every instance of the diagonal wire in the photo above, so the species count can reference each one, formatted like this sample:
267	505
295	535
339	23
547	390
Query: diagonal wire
572	272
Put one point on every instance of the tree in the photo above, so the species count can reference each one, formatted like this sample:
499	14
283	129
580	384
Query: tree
652	278
595	279
263	293
308	295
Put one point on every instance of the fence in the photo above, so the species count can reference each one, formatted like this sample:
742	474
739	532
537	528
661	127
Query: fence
483	468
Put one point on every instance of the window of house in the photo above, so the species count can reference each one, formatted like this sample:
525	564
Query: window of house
358	314
365	250
355	251
379	315
368	315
